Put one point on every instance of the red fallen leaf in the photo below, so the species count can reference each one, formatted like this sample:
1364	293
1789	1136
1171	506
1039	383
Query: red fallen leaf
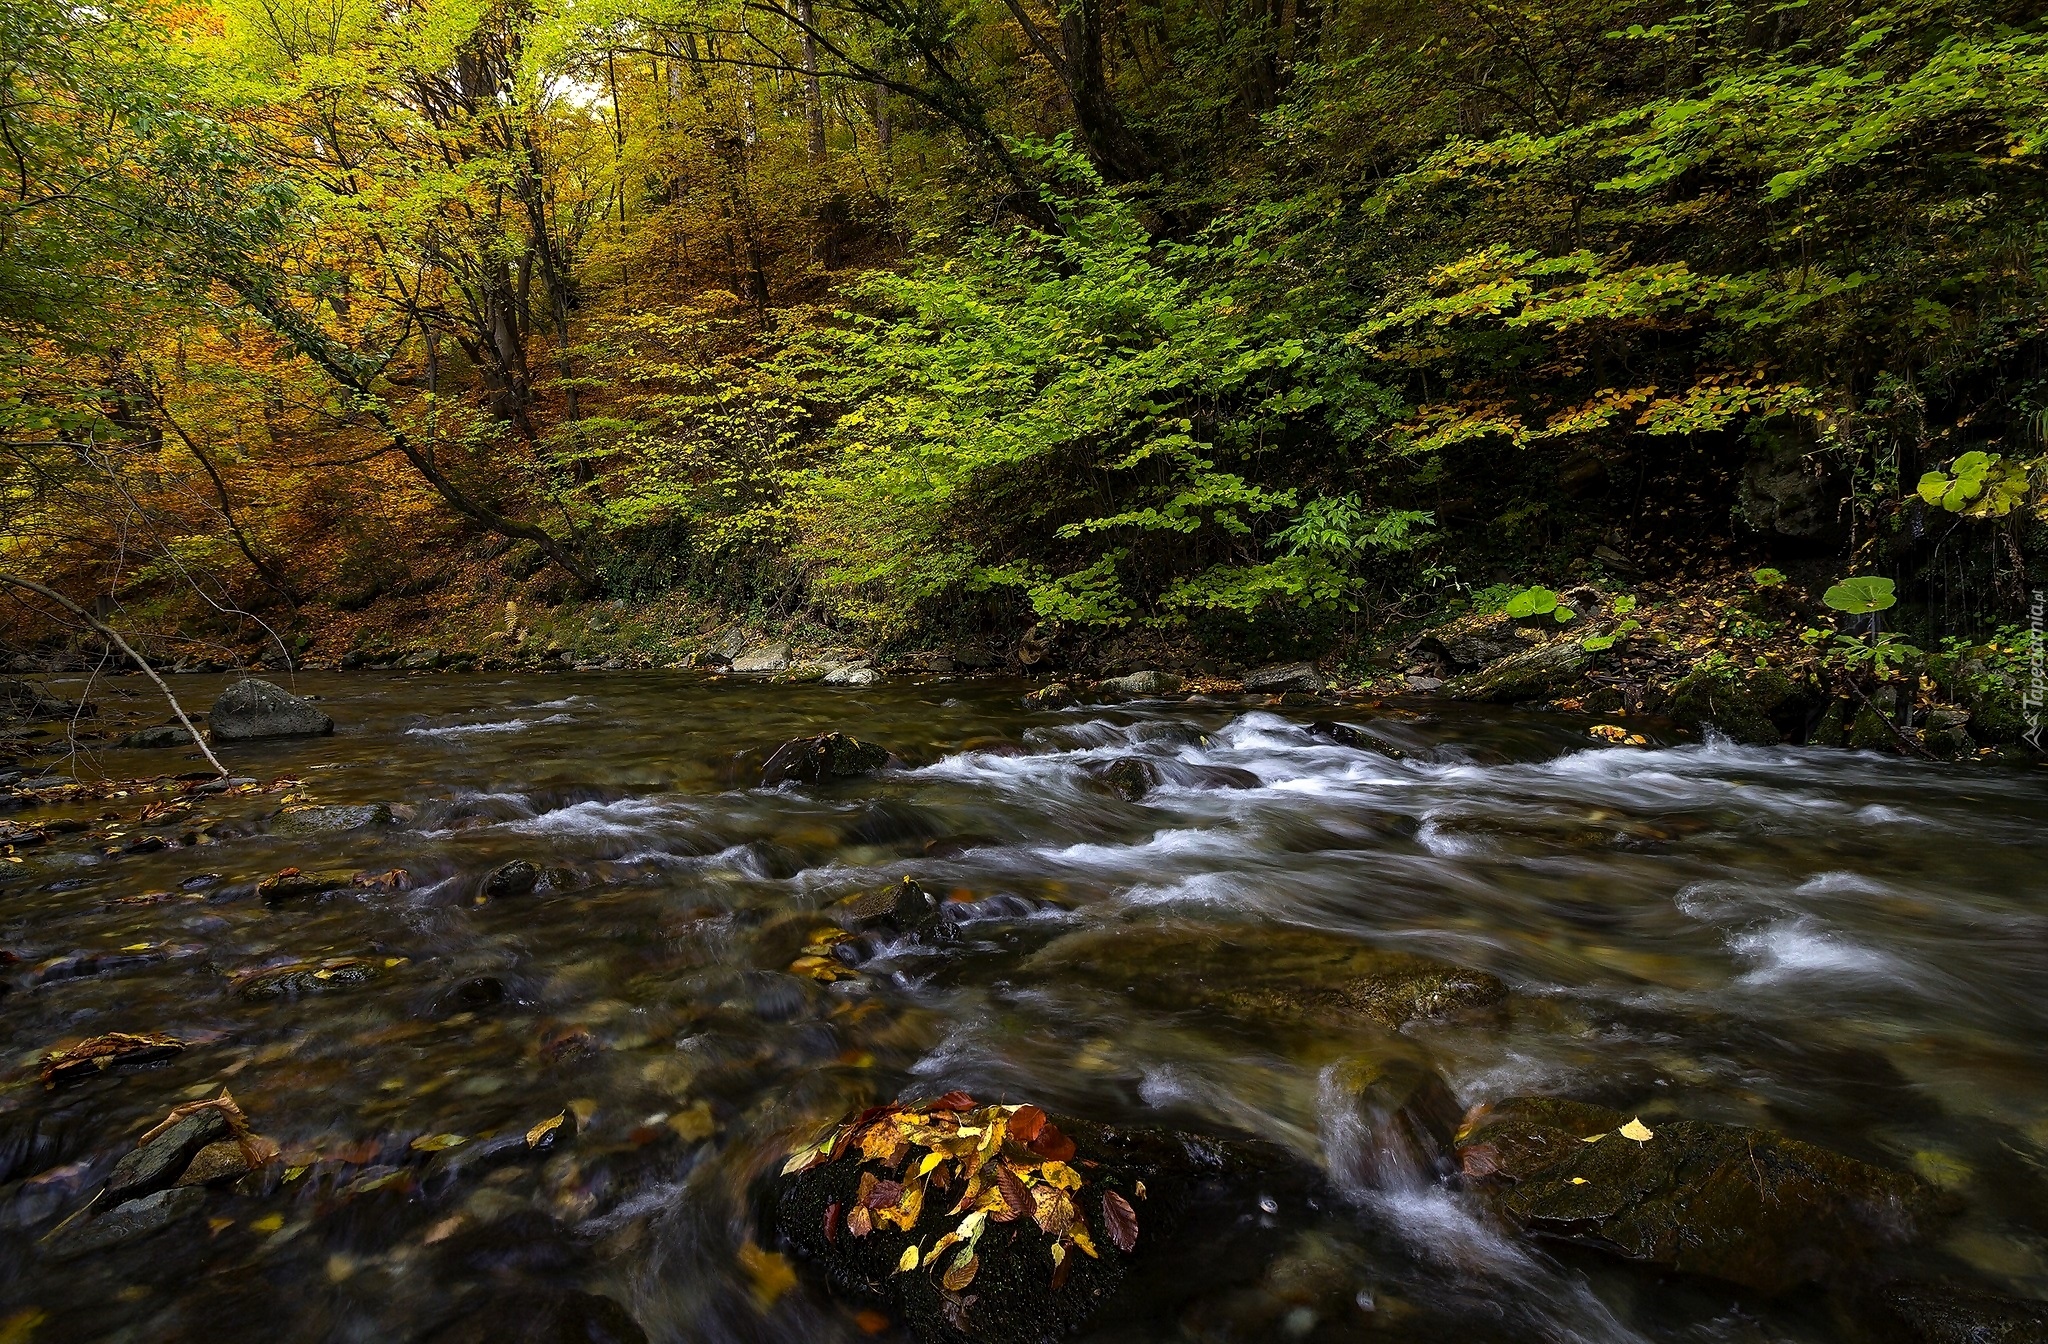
1025	1122
884	1195
1017	1200
832	1224
1051	1144
1060	1272
1120	1220
954	1101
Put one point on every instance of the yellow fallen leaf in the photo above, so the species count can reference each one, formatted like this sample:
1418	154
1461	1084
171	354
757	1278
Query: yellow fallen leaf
1637	1130
769	1272
931	1160
1594	1139
436	1143
1579	1180
268	1223
545	1128
908	1260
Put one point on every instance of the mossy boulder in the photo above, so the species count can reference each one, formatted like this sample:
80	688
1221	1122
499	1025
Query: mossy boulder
1540	673
1724	1201
1711	697
1284	975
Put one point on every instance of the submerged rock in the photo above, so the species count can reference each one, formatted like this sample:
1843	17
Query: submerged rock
1057	695
1132	777
1285	975
126	1222
1938	1313
252	709
290	884
158	737
1391	1123
814	760
1725	1201
305	977
903	907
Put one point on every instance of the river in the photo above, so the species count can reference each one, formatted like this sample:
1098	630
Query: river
1849	949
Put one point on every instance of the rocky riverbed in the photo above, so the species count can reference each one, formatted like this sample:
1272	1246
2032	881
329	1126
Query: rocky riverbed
663	1006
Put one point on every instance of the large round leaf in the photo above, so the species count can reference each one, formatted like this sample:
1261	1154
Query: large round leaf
1861	595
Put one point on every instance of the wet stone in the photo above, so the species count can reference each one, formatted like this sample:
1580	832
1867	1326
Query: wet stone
252	709
517	878
293	885
156	738
901	907
223	1160
1137	684
305	977
1939	1313
815	760
1393	1123
127	1222
1286	975
158	1163
1276	678
1725	1201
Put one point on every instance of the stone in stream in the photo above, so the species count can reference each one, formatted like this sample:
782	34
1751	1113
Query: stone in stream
126	1222
903	907
1058	695
290	884
1389	1123
333	819
222	1160
815	760
1940	1313
1286	975
304	977
117	1050
159	1162
988	1240
850	674
1131	777
156	738
517	878
1724	1201
252	709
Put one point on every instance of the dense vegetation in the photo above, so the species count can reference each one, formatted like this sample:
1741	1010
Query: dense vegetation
1272	324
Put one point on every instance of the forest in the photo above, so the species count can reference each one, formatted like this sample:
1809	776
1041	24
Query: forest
1238	331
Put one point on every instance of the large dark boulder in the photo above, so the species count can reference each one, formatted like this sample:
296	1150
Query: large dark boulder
251	709
814	760
1724	1201
987	1224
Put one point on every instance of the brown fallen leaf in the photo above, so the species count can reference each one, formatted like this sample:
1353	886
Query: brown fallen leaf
832	1224
1120	1220
116	1049
961	1272
1052	1144
953	1101
1479	1161
1016	1199
1025	1122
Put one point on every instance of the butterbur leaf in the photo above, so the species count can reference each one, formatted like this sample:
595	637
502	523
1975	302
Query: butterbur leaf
953	1101
1025	1122
1120	1220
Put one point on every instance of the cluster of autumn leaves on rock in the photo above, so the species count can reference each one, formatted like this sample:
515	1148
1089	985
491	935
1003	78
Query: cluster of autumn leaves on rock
1007	1162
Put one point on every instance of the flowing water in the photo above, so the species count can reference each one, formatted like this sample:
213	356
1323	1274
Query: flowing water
1849	949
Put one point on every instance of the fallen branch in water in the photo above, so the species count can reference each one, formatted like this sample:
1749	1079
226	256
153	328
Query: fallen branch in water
113	637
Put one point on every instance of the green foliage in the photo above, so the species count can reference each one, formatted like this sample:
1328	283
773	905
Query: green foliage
1979	484
1882	655
1862	595
1767	577
1601	643
1538	602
